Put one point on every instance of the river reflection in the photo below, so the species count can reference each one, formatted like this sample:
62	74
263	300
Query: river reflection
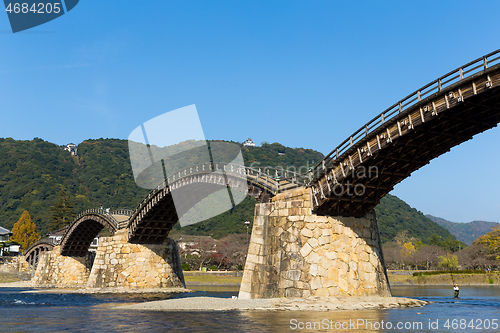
21	312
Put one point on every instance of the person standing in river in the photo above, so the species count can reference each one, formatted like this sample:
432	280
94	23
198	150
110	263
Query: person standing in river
457	290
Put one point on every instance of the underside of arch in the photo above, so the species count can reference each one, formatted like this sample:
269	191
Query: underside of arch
76	242
156	219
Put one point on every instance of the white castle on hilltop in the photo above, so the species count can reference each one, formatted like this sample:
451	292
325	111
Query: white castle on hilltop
72	148
248	143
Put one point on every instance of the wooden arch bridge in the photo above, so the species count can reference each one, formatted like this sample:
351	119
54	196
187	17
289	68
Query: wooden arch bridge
352	179
349	181
154	217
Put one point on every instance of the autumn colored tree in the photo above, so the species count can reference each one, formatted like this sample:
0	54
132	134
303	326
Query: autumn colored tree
491	241
61	212
409	249
25	231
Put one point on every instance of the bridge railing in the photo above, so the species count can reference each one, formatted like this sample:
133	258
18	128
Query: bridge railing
140	206
49	241
126	212
98	211
269	176
374	125
271	172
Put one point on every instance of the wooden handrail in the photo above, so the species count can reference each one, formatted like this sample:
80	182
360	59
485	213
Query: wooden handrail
402	105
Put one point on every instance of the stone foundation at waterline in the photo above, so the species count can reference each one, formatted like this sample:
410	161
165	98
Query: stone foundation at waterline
117	264
121	264
59	271
22	265
294	253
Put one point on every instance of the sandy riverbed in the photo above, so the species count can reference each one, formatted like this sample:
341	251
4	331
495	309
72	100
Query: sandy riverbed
224	304
17	284
277	304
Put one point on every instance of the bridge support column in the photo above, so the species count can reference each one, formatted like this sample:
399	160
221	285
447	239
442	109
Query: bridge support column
295	253
121	264
56	270
22	265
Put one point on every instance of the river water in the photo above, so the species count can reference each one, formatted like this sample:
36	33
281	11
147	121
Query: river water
477	310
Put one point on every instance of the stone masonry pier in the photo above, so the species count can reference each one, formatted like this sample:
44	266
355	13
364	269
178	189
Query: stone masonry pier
121	264
294	253
60	271
117	264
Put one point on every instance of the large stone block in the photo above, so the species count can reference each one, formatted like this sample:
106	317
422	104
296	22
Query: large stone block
332	254
59	271
140	266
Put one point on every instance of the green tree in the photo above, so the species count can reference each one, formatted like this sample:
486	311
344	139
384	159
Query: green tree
449	261
24	231
61	212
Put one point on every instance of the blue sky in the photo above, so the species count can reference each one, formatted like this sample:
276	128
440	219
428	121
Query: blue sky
302	73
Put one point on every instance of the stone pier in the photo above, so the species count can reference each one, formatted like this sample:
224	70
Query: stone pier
294	253
59	271
117	264
121	264
23	265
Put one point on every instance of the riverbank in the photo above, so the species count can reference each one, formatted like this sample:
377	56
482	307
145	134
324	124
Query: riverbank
396	279
277	304
14	281
445	279
16	284
12	276
212	280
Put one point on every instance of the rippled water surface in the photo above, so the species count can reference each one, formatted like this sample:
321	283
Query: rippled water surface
22	311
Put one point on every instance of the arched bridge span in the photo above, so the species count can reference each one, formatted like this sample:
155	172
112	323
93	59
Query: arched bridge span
34	251
156	214
352	179
86	226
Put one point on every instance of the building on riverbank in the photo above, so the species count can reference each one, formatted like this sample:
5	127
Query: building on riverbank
5	235
8	247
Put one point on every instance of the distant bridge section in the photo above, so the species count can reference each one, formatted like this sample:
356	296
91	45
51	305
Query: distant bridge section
155	216
86	226
352	179
34	251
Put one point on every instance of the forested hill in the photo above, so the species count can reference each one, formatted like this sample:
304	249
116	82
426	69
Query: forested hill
466	232
33	172
395	215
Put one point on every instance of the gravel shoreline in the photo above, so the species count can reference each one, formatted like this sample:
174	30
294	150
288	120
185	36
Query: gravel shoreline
225	304
276	304
17	284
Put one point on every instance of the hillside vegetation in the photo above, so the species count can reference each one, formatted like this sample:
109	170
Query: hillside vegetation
466	232
33	172
394	215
